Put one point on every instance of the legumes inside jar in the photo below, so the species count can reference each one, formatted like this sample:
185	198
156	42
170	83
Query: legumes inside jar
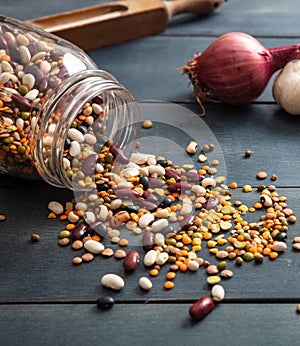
57	110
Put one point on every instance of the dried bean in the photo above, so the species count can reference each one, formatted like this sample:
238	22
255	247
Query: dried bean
113	281
131	260
201	307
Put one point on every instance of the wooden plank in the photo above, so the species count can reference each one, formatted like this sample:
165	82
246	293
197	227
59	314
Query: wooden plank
43	271
255	17
148	324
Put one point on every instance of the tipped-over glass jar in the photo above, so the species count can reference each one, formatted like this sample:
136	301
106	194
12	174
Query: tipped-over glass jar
58	110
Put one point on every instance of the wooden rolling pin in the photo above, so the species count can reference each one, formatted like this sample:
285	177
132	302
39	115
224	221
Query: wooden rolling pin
102	25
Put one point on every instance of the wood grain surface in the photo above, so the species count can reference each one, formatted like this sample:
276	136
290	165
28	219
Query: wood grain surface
46	300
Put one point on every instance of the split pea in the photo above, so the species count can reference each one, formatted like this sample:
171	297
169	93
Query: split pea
147	124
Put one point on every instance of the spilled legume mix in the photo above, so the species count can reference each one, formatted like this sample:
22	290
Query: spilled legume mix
176	212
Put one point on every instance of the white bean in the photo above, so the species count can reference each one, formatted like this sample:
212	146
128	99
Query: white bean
113	281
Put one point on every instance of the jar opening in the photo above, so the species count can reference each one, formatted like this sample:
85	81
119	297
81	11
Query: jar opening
78	123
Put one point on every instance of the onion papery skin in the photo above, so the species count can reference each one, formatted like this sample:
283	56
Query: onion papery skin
236	68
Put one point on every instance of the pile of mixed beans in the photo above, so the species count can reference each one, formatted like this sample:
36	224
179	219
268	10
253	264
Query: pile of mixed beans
176	211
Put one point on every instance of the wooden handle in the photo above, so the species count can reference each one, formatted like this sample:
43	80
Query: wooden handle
191	6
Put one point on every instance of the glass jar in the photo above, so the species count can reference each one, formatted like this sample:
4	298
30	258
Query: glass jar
57	109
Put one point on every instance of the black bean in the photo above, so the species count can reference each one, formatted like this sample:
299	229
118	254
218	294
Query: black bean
165	202
163	163
67	144
145	182
103	187
132	209
105	302
282	236
82	129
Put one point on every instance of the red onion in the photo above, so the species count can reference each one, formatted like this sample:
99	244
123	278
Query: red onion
236	68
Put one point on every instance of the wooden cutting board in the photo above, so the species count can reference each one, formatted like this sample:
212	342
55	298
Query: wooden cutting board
106	24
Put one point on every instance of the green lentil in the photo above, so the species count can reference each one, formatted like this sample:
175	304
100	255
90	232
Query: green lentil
213	280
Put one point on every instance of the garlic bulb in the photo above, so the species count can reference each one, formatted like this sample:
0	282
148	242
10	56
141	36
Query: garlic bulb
286	87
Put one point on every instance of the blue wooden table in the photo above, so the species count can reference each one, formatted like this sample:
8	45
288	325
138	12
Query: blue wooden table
46	300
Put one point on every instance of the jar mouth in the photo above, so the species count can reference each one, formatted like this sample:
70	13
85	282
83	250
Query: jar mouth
118	121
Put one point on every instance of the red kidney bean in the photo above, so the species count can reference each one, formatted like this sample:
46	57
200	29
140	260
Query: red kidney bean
148	240
187	221
97	227
211	203
79	231
183	186
171	174
21	102
156	183
150	197
118	154
147	205
193	176
201	307
89	164
126	193
131	260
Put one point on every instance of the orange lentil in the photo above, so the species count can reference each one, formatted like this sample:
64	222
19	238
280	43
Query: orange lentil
240	237
184	253
273	255
63	217
183	267
202	171
173	208
186	239
205	168
70	226
1	103
80	212
51	216
168	285
233	185
157	267
123	242
267	251
96	237
207	235
154	272
5	57
227	217
170	275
